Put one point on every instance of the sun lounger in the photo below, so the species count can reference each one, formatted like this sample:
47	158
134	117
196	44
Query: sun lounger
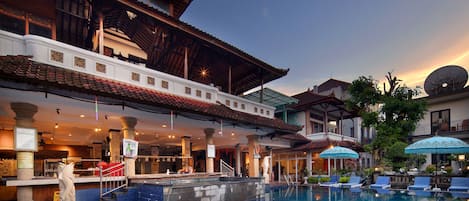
333	182
420	183
459	184
354	182
382	182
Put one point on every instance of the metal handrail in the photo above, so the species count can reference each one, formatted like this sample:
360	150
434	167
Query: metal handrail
226	168
112	179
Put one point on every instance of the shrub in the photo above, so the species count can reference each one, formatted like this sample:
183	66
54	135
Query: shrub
430	168
344	179
449	169
313	180
324	179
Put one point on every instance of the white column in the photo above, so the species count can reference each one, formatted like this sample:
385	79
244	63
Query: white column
128	128
238	159
253	141
186	150
209	168
25	159
309	165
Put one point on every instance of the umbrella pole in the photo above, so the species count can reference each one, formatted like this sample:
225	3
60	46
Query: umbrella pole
329	166
437	167
335	166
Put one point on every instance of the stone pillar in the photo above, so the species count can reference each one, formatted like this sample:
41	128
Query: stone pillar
309	162
253	142
186	150
97	148
128	128
115	146
238	159
209	168
25	159
155	165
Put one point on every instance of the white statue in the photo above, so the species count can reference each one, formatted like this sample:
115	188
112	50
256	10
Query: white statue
265	169
66	186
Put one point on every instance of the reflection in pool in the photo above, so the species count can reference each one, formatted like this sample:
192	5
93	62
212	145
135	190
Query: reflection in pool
309	193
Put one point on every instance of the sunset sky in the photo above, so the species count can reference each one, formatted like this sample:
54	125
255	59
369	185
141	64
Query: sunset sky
322	39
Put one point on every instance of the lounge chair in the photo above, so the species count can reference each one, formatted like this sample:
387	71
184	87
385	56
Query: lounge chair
459	184
354	182
420	183
383	182
333	182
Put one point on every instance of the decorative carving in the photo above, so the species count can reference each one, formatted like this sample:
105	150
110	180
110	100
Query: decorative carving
56	56
265	168
150	80
135	77
101	67
79	62
164	84
66	186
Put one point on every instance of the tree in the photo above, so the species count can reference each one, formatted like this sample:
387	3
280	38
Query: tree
393	112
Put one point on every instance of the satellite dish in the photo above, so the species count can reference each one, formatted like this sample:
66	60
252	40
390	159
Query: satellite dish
445	79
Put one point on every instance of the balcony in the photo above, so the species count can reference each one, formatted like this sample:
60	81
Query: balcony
47	51
456	128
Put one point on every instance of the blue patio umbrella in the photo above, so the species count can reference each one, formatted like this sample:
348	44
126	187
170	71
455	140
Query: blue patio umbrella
438	145
338	152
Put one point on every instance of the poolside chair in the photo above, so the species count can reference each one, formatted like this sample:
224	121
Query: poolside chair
459	184
354	182
420	183
333	182
382	182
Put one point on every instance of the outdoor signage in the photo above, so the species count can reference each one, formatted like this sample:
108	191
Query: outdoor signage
130	148
211	150
25	139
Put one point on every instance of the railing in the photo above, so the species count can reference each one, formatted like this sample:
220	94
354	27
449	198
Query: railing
62	55
453	127
226	168
331	136
112	179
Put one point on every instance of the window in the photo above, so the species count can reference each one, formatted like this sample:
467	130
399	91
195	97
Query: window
255	109
440	121
243	107
317	127
198	93
227	102
208	96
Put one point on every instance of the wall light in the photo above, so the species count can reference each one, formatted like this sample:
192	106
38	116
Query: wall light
461	157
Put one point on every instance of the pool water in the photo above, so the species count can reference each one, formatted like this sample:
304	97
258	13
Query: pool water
357	194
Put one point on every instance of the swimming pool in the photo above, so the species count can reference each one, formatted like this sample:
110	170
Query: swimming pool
357	194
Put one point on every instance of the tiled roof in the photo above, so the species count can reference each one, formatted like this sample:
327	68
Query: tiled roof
311	98
332	83
22	70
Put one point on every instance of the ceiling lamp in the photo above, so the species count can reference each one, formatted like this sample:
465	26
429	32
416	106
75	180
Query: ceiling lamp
131	15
